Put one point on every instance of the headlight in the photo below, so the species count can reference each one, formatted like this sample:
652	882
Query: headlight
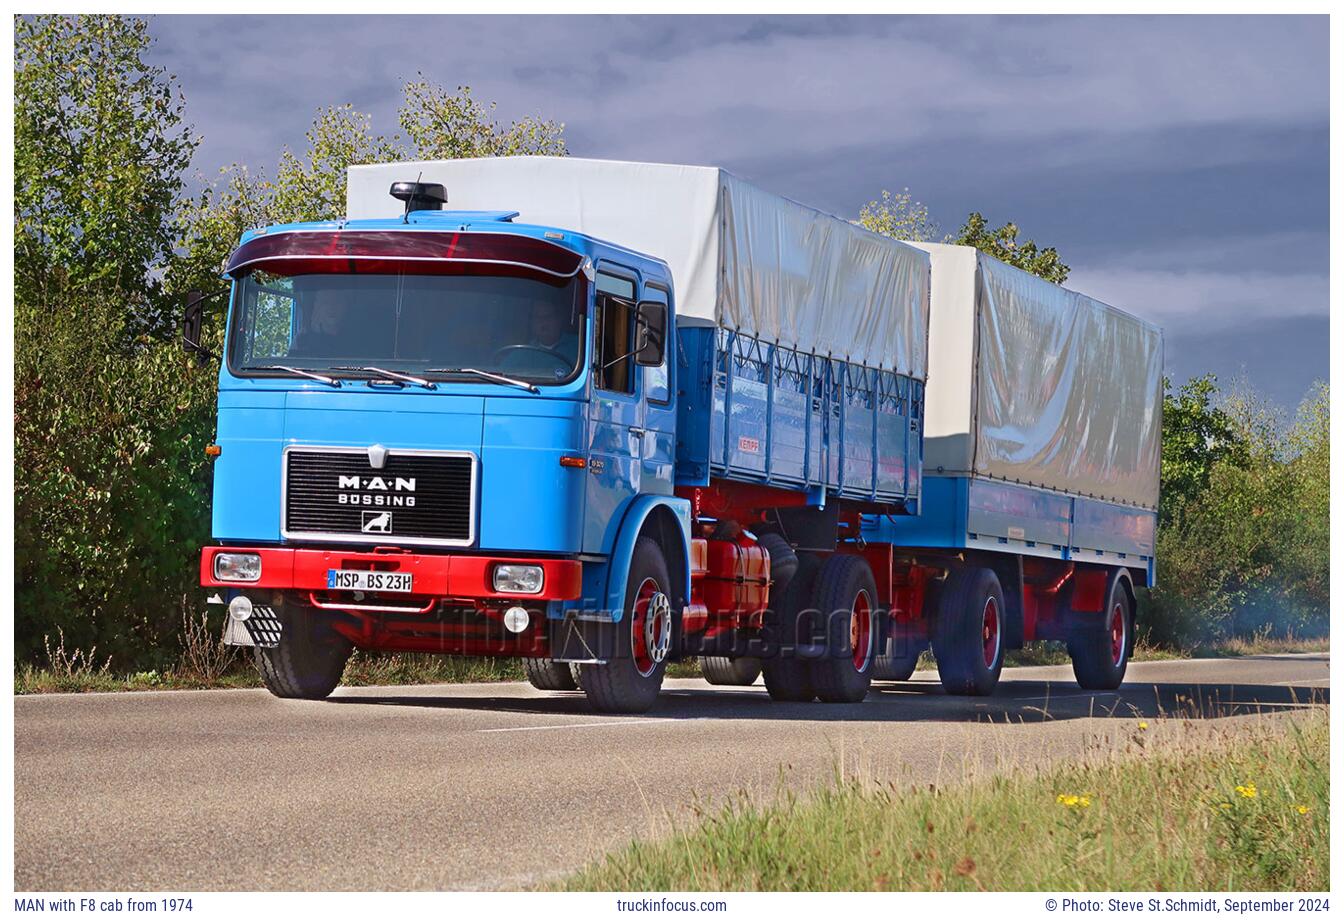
237	567
518	579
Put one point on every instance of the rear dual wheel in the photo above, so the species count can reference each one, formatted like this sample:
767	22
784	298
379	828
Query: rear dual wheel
834	604
847	601
730	672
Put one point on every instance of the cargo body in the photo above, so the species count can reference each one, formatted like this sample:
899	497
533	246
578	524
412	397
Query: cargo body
602	416
1043	431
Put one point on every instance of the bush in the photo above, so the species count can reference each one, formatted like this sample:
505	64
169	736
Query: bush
1249	554
113	500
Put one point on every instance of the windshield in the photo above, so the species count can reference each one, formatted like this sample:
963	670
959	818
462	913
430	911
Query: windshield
420	324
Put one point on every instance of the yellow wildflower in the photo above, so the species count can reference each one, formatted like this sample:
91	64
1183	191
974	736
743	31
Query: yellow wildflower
1247	791
1143	726
1302	809
1068	800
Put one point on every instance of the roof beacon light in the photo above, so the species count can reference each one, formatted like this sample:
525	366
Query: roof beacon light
420	196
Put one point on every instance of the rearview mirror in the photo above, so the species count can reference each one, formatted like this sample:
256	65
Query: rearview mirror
192	320
650	332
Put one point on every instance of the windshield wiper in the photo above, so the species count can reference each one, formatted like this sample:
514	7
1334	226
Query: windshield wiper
298	371
391	375
497	378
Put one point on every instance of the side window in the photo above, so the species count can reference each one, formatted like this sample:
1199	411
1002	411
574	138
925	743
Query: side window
655	378
615	333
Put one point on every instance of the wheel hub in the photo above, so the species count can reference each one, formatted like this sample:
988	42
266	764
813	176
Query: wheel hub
1117	635
861	631
989	632
650	627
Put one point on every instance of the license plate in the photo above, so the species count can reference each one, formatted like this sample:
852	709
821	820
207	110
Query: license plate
362	580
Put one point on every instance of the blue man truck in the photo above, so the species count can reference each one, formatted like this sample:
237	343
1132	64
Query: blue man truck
603	416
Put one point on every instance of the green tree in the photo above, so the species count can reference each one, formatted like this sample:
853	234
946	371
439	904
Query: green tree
99	152
110	418
1002	244
310	185
447	126
1196	435
898	216
1244	544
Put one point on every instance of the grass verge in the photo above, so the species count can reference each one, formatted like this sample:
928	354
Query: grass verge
1244	810
363	670
366	669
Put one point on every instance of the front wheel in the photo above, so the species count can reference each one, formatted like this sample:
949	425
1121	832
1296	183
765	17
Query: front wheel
545	674
310	659
631	679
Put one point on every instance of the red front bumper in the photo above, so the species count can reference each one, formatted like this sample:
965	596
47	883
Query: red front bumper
439	576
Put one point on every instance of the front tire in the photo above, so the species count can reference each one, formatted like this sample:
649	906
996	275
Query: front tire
1100	646
969	634
545	674
310	659
629	682
730	672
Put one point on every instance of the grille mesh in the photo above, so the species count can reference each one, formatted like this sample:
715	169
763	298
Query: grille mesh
415	496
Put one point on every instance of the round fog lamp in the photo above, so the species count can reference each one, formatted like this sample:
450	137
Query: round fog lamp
516	619
240	608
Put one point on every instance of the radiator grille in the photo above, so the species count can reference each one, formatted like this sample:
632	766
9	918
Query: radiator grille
413	497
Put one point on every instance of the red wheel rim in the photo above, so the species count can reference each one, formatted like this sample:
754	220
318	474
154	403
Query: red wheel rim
1117	635
861	631
648	627
989	632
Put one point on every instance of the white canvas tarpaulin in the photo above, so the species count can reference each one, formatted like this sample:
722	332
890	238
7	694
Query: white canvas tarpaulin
740	257
1033	383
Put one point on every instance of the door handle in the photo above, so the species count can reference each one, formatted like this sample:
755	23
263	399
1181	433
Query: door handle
637	432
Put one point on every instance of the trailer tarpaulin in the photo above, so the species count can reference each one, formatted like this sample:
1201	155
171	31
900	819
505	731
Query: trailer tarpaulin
741	258
1065	391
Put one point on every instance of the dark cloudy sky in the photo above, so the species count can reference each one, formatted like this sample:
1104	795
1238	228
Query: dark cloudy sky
1179	164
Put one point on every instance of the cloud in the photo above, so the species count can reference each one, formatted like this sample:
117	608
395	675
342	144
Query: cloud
1180	164
1190	300
713	89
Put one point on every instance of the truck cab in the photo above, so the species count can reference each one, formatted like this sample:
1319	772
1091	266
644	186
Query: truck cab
432	430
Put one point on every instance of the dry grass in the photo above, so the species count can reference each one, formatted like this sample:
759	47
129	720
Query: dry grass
1245	808
205	658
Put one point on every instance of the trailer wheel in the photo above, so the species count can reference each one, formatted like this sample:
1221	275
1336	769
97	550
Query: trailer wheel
968	637
545	674
730	672
898	665
310	659
1100	646
789	679
848	604
631	679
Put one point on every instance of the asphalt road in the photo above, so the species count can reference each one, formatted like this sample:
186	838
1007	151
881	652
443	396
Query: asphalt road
501	786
